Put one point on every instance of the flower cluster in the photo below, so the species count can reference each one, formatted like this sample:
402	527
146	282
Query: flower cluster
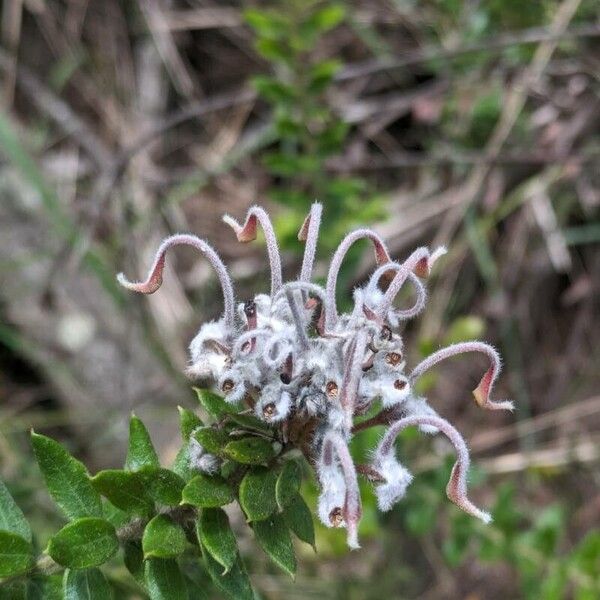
310	371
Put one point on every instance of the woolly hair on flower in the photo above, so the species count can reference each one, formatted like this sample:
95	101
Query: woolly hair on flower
311	373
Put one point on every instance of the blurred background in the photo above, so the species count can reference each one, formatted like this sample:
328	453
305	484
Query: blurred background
468	123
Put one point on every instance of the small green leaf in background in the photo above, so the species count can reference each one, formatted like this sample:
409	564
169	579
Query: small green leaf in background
207	491
125	490
235	583
140	452
86	542
12	518
250	451
188	421
86	584
215	535
16	554
162	485
274	537
463	329
67	479
214	404
163	538
288	483
257	494
299	519
164	580
211	439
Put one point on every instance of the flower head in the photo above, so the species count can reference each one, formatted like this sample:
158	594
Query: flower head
301	366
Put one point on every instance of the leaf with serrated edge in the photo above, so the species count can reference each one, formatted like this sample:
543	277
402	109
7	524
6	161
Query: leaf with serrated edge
216	536
85	584
163	538
288	483
11	516
274	538
140	451
66	478
16	554
235	583
207	491
86	542
257	493
164	580
125	490
299	519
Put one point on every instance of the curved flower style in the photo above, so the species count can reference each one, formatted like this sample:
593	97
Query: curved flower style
310	372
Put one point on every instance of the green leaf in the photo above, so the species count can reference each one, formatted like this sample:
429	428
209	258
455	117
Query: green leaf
86	542
257	494
273	89
133	556
164	580
163	538
12	518
141	452
45	587
321	75
67	479
86	584
235	583
250	450
250	422
13	590
215	535
163	486
211	439
266	23
16	554
125	490
181	464
274	537
328	17
288	483
207	491
188	421
214	404
299	519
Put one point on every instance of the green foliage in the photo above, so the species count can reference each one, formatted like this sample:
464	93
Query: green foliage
257	494
86	584
273	535
66	478
250	451
207	491
164	580
169	525
15	554
216	536
141	452
299	519
12	518
163	538
308	130
288	484
125	490
83	543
